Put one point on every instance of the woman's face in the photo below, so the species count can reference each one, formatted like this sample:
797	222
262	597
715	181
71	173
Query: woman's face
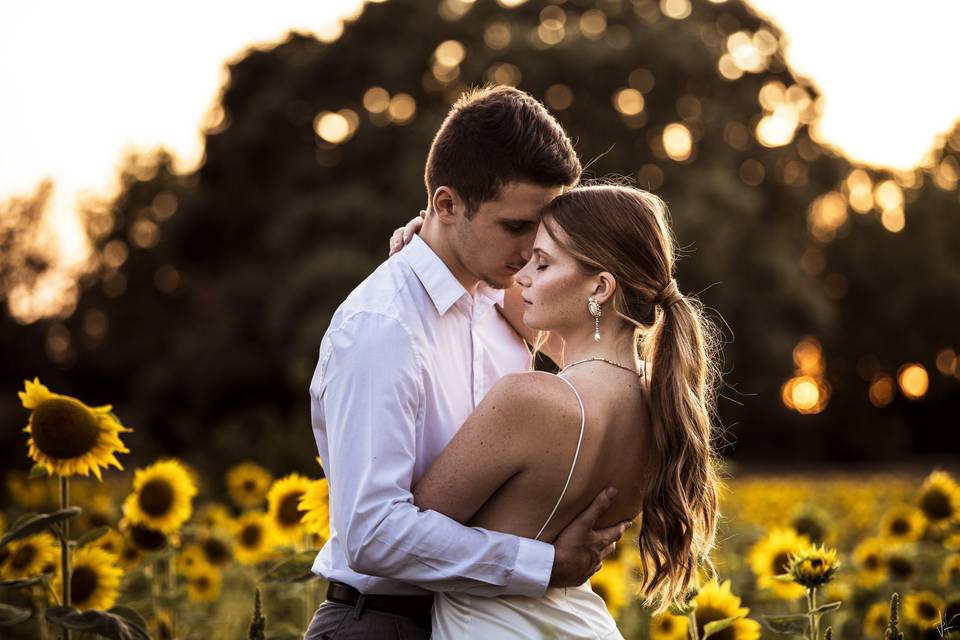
554	288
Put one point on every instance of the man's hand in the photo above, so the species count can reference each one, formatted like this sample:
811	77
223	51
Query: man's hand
579	550
403	234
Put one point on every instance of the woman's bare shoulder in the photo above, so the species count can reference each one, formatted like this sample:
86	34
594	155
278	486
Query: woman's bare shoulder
535	398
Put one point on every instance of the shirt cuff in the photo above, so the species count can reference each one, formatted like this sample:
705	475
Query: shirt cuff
531	573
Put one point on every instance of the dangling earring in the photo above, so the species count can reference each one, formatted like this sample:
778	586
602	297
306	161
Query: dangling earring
594	308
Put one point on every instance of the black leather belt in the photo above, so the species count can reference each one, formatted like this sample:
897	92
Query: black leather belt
417	608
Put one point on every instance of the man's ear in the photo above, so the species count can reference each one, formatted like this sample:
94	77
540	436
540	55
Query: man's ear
447	204
605	287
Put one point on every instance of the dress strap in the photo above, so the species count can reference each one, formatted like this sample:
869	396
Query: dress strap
583	421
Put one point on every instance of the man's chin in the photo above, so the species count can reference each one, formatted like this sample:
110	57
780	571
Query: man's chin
504	283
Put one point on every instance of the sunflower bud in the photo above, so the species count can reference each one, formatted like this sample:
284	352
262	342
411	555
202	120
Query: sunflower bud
813	566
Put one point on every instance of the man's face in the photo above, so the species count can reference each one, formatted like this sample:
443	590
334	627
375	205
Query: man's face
496	243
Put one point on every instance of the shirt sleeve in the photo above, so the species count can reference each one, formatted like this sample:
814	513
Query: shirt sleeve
368	400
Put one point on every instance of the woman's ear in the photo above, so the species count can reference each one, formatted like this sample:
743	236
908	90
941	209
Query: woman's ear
447	204
605	287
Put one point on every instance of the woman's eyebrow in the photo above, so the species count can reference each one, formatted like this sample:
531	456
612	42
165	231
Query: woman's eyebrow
541	252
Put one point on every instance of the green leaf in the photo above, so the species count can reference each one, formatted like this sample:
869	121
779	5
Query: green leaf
38	471
22	582
828	607
10	615
796	623
129	614
719	625
106	624
36	523
297	568
93	534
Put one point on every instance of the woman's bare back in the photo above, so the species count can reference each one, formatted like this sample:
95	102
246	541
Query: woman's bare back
613	452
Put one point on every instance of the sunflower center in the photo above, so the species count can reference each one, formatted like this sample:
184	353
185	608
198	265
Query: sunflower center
900	568
666	625
781	562
249	485
83	584
808	526
216	551
899	527
202	583
712	614
872	562
63	428
146	538
288	513
23	557
156	497
251	535
816	563
936	505
927	611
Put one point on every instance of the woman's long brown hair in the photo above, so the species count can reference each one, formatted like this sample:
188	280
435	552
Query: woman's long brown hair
626	232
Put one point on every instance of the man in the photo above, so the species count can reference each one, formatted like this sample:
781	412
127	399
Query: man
407	357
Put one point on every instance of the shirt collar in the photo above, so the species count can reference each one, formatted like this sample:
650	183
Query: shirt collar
442	287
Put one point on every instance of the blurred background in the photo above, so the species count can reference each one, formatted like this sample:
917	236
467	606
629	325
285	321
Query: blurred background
186	196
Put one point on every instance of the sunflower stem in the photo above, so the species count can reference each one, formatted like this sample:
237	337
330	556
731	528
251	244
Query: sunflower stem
814	617
65	547
692	625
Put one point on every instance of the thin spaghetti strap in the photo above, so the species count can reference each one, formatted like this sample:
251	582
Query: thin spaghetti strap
583	421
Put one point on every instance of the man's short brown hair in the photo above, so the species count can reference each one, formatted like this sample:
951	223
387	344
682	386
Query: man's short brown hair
494	135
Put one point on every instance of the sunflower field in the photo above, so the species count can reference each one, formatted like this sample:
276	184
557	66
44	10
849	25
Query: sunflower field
161	554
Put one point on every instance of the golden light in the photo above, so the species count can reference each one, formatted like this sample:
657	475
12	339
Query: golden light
827	214
376	100
893	220
445	74
629	102
642	80
772	95
331	127
913	380
510	4
164	205
497	35
765	42
676	9
402	108
882	391
745	55
677	141
115	253
550	36
593	23
808	357
330	32
553	17
778	128
947	174
947	361
558	96
505	74
859	189
450	53
888	195
452	10
728	68
144	233
804	394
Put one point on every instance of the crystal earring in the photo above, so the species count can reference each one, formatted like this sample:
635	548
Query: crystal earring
594	308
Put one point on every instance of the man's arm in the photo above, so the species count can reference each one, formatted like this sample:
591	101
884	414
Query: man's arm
367	399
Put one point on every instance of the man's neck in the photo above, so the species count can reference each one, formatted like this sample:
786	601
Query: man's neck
436	238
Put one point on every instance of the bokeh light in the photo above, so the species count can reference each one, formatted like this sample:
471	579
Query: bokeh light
677	141
913	381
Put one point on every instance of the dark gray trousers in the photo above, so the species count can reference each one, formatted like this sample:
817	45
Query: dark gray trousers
334	621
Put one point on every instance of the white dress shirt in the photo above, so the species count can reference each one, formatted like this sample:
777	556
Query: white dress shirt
407	357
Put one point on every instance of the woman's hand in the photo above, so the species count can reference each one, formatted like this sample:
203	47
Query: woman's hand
402	236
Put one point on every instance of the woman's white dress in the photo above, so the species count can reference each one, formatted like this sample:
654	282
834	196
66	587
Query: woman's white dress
569	613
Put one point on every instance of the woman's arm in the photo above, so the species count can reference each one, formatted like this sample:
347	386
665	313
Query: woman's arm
490	448
512	311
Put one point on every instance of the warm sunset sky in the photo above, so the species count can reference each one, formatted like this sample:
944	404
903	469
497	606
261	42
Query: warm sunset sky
83	81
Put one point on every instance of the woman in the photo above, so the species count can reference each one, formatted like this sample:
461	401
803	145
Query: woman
539	446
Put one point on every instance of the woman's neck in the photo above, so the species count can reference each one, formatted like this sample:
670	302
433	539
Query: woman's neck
616	346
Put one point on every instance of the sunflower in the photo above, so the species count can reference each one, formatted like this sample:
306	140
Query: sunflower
252	537
770	557
99	510
143	538
923	609
203	583
111	542
189	558
30	556
213	515
610	583
900	564
68	437
950	573
939	498
813	566
130	555
667	626
248	484
868	557
161	626
903	523
875	622
952	542
32	495
216	550
811	522
285	514
716	602
316	505
161	497
94	579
